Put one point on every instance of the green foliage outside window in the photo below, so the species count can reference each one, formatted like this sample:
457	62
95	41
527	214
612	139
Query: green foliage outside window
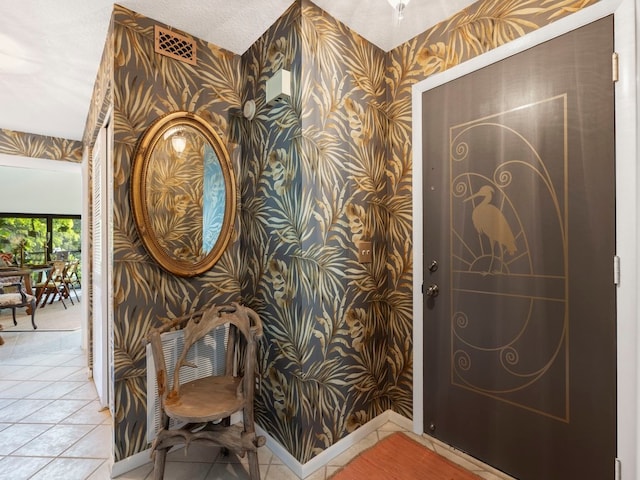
38	244
66	235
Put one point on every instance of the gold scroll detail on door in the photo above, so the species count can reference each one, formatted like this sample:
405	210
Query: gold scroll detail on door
508	220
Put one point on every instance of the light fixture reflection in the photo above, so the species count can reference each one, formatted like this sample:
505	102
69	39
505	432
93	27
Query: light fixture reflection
178	142
398	7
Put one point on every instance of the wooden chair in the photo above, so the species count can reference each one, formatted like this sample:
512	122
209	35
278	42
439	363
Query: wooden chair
71	279
204	406
17	299
53	286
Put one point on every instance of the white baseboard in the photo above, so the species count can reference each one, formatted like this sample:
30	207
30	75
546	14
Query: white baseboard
131	463
320	460
301	470
398	419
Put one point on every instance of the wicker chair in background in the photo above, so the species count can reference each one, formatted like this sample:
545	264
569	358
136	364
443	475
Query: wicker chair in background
13	296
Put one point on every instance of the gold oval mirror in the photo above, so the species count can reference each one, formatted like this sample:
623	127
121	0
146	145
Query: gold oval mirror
183	193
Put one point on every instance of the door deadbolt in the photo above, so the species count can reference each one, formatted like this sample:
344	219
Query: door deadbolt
433	266
432	290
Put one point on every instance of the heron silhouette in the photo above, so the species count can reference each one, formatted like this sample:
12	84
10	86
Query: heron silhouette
489	220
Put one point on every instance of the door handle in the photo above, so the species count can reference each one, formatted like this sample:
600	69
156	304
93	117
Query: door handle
432	290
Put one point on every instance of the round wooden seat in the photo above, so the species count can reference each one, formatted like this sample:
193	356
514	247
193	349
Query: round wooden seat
206	400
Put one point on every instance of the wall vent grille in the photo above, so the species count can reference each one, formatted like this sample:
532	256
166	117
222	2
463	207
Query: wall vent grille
176	46
208	354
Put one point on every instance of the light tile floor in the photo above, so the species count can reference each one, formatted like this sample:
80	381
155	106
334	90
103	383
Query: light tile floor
52	426
51	423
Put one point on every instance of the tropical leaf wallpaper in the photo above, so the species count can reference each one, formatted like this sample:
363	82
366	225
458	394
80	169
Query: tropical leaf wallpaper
175	197
314	185
39	146
144	87
317	173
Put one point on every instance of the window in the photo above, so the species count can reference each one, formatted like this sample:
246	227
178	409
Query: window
37	239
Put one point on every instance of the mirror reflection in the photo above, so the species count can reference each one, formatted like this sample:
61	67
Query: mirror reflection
183	194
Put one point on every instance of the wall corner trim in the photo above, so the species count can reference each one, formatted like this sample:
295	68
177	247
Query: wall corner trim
320	460
130	463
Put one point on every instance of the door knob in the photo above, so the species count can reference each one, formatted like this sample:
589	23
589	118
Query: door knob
432	290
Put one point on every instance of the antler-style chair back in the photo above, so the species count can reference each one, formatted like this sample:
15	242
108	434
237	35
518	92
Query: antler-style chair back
203	406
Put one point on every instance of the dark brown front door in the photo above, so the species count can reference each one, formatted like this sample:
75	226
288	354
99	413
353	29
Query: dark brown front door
519	204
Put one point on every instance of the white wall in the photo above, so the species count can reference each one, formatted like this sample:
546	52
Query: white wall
32	185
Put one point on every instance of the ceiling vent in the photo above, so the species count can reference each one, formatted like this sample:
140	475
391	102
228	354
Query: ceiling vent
174	45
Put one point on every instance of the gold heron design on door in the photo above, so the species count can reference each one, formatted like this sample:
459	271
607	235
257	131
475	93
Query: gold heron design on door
507	222
518	223
490	221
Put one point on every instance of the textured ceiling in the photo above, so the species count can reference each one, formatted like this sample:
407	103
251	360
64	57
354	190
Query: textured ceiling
50	50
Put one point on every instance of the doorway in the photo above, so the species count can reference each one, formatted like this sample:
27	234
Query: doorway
519	236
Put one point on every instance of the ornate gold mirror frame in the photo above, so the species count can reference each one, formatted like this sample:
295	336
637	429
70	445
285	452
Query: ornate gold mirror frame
183	193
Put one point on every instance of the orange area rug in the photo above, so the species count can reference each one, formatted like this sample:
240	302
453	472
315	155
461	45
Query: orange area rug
398	457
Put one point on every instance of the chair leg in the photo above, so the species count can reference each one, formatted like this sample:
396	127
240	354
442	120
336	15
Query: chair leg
45	294
74	291
61	294
13	312
67	293
159	463
254	467
33	314
39	294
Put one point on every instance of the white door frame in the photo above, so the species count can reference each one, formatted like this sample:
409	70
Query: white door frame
85	264
627	212
102	291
